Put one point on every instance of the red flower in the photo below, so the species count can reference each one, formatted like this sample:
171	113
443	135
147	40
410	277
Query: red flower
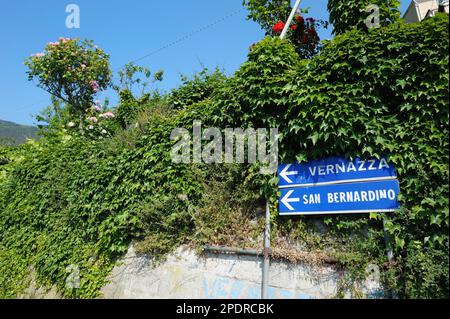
311	32
300	19
278	27
311	20
304	39
294	27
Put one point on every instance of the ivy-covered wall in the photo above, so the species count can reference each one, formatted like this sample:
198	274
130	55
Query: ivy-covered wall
381	92
378	93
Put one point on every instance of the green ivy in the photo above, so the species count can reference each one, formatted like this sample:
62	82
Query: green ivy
348	14
195	89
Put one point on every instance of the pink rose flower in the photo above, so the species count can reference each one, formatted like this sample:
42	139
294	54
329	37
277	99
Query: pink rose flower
93	119
107	115
64	40
94	86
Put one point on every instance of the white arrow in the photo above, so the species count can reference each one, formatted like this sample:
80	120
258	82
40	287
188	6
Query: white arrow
284	173
286	200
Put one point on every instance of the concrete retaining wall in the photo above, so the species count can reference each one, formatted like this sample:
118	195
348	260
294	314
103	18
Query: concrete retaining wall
187	275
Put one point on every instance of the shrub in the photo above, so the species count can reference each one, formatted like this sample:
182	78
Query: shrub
196	89
71	70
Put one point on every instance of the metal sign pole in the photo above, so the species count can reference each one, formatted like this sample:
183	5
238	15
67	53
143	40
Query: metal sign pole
291	16
387	241
266	264
389	253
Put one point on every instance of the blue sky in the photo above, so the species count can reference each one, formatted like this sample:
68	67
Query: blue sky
127	30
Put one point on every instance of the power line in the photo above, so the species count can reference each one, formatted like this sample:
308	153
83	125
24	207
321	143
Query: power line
189	35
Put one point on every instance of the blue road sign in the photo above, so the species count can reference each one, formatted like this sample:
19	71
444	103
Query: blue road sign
334	170
358	197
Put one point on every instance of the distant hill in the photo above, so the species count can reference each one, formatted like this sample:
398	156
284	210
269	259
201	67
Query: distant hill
14	134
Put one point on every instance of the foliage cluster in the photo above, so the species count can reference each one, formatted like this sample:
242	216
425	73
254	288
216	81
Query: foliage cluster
79	203
71	70
348	14
196	89
267	12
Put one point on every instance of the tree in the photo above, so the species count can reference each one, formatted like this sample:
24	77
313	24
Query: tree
348	14
74	71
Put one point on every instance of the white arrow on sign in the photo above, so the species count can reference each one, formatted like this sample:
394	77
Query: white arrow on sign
286	200
285	173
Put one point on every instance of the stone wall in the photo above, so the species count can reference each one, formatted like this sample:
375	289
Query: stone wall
187	275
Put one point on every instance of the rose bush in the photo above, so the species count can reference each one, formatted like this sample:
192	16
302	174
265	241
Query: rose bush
303	35
72	70
96	123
